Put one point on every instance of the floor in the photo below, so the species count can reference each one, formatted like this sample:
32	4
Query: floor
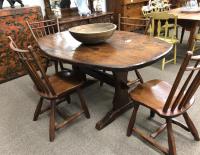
21	136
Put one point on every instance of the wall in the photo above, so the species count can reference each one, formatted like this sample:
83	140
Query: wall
28	2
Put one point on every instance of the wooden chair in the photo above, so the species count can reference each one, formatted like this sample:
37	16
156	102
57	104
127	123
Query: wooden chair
44	28
139	25
54	88
160	28
168	102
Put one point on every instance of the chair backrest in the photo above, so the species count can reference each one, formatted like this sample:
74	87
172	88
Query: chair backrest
189	86
42	28
133	24
164	22
31	63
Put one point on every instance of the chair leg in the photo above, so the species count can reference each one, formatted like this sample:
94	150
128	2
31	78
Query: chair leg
52	122
171	140
163	64
56	66
182	35
83	104
193	48
101	82
175	50
68	98
38	109
47	65
61	65
139	76
132	120
191	126
152	114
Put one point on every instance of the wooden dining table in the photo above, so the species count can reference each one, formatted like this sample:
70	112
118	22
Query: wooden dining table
123	52
189	21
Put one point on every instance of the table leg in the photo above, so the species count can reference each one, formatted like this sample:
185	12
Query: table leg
192	34
121	102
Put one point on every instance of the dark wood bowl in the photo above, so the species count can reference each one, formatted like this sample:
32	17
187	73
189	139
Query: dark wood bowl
93	33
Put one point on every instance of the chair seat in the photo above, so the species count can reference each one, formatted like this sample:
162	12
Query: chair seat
168	40
63	82
156	93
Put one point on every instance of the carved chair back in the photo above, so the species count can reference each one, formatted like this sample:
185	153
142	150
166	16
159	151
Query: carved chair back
189	86
43	28
31	63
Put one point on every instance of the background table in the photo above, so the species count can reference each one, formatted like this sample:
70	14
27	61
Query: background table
188	21
123	52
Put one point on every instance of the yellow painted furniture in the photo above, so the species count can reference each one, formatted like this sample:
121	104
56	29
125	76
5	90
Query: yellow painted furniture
164	30
196	40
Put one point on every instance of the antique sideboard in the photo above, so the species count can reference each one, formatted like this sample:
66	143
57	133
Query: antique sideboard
70	21
13	23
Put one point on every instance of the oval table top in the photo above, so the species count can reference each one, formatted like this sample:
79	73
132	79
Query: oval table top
123	51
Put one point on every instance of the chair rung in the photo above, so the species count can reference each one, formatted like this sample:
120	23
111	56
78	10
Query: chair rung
151	141
63	115
159	130
197	48
168	61
132	82
46	26
136	25
69	120
180	124
49	107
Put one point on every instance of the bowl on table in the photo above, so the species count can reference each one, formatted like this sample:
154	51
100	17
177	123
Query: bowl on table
93	33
